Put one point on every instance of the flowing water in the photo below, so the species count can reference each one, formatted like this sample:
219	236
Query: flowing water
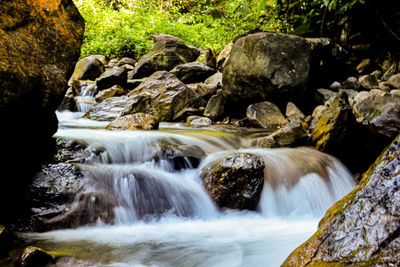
164	217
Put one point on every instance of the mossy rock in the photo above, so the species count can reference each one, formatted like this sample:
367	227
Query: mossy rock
362	229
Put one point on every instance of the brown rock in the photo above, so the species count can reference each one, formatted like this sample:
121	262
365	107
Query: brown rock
265	114
40	43
137	121
394	81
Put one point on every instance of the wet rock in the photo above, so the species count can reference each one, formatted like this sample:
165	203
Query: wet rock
88	209
394	81
132	84
202	121
74	151
137	121
266	114
290	135
351	83
168	96
390	72
88	68
115	107
116	90
35	257
193	72
167	53
68	102
209	58
40	44
223	56
236	181
379	111
127	61
293	113
368	82
215	106
111	77
362	229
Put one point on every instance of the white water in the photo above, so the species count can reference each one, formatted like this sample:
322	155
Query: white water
164	217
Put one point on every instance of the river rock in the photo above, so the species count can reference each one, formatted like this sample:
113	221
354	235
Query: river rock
322	95
111	77
202	121
215	106
290	135
116	90
223	56
137	121
168	96
368	82
265	64
88	209
35	257
266	114
193	72
362	229
235	181
394	81
379	111
40	44
351	83
74	151
88	68
209	58
293	113
127	61
167	53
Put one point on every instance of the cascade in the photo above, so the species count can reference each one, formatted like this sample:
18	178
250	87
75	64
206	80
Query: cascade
162	215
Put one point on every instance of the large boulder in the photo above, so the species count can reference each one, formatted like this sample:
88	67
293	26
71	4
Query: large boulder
379	111
362	229
111	77
265	114
40	43
168	52
235	181
265	64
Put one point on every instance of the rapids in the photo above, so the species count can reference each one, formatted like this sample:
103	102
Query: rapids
164	217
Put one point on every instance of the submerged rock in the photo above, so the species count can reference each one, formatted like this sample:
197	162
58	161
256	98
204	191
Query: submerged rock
362	229
236	181
266	114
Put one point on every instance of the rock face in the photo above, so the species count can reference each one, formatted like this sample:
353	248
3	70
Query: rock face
236	181
168	52
264	64
40	44
265	114
363	228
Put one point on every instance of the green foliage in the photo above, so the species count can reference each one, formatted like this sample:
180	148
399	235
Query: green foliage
118	28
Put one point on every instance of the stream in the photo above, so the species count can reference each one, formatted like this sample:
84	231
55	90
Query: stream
164	216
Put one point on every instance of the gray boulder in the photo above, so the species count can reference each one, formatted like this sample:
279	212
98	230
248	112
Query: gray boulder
114	76
193	72
266	115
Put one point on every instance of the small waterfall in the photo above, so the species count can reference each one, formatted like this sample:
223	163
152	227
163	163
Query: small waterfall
86	99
